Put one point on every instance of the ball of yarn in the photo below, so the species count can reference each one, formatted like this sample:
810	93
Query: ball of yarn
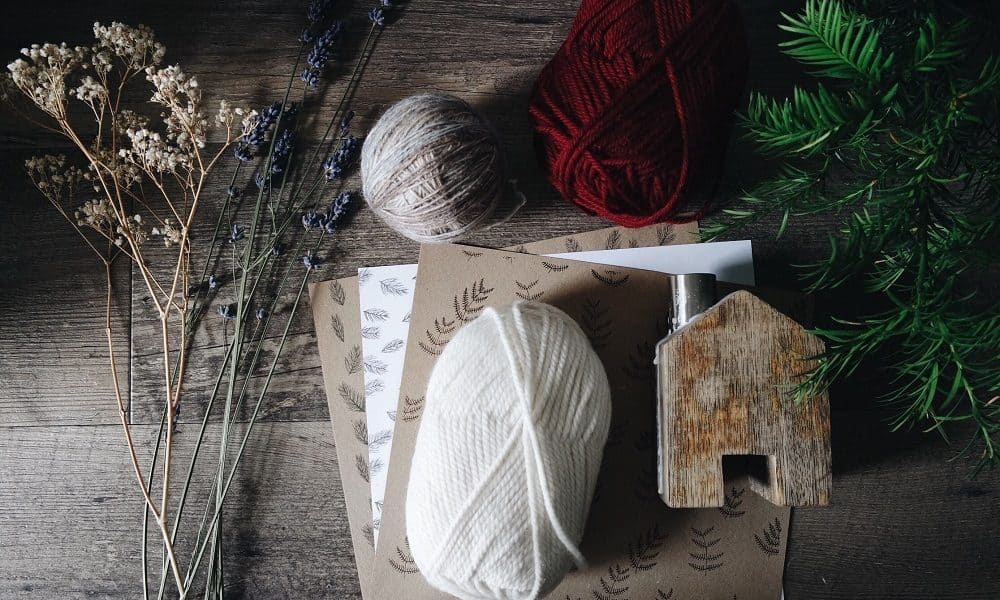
432	168
635	108
507	455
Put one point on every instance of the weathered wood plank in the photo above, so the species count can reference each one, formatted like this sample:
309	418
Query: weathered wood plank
70	514
54	365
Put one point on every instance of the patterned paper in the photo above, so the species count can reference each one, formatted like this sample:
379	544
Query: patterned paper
387	297
636	546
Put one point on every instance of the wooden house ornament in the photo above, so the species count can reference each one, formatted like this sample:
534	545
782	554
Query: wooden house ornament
725	380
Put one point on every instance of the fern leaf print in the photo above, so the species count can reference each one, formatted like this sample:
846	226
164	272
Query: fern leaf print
610	277
769	540
403	561
353	362
354	400
572	245
375	315
614	240
734	500
393	287
643	552
707	557
337	293
612	586
338	327
412	408
525	290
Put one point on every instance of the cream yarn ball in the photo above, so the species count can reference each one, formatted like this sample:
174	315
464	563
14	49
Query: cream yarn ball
432	168
510	443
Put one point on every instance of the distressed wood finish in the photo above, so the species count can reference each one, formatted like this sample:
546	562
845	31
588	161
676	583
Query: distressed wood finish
904	523
725	383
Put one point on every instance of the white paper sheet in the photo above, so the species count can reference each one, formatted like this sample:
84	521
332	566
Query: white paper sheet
387	295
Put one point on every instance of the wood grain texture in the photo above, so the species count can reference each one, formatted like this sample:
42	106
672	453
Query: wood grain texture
904	523
725	389
70	514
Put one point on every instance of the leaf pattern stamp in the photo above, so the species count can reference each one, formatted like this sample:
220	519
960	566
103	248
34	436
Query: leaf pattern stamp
707	557
661	595
470	254
525	290
393	346
412	408
596	323
361	431
613	585
375	366
769	540
734	500
379	439
614	240
373	386
352	362
337	293
361	463
393	287
371	332
610	277
338	327
364	275
572	245
472	301
552	267
354	399
375	315
403	561
643	552
665	235
633	243
466	306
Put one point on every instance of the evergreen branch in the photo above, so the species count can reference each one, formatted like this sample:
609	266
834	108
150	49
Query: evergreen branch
906	156
842	43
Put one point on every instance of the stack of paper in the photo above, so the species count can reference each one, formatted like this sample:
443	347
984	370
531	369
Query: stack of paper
380	333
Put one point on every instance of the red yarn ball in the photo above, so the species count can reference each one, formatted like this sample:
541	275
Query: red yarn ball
636	106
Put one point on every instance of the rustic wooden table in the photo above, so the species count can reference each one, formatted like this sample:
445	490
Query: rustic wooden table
905	522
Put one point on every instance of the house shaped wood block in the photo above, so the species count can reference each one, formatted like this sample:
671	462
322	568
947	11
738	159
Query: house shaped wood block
725	389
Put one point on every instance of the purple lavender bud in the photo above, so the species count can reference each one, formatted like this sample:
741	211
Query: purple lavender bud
345	123
243	152
311	219
310	260
268	116
377	16
237	233
227	312
277	249
317	10
261	314
320	53
261	179
233	191
213	282
340	205
337	164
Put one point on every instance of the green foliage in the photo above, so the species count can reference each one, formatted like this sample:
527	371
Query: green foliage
902	143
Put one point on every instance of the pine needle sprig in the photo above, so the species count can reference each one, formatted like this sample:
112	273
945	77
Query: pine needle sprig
900	140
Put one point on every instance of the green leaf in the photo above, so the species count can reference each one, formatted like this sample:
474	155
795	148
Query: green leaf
800	125
836	40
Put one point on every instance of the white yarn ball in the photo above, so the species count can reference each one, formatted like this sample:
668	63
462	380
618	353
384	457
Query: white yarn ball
432	168
510	443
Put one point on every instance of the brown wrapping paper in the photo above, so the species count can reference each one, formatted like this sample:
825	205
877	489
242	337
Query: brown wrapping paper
636	547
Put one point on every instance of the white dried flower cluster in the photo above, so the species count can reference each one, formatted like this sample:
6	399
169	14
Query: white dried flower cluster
131	227
54	177
42	75
97	214
153	153
228	114
90	91
129	147
179	94
135	46
172	233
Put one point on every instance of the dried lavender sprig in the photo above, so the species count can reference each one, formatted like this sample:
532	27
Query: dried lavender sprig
338	163
320	53
246	149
